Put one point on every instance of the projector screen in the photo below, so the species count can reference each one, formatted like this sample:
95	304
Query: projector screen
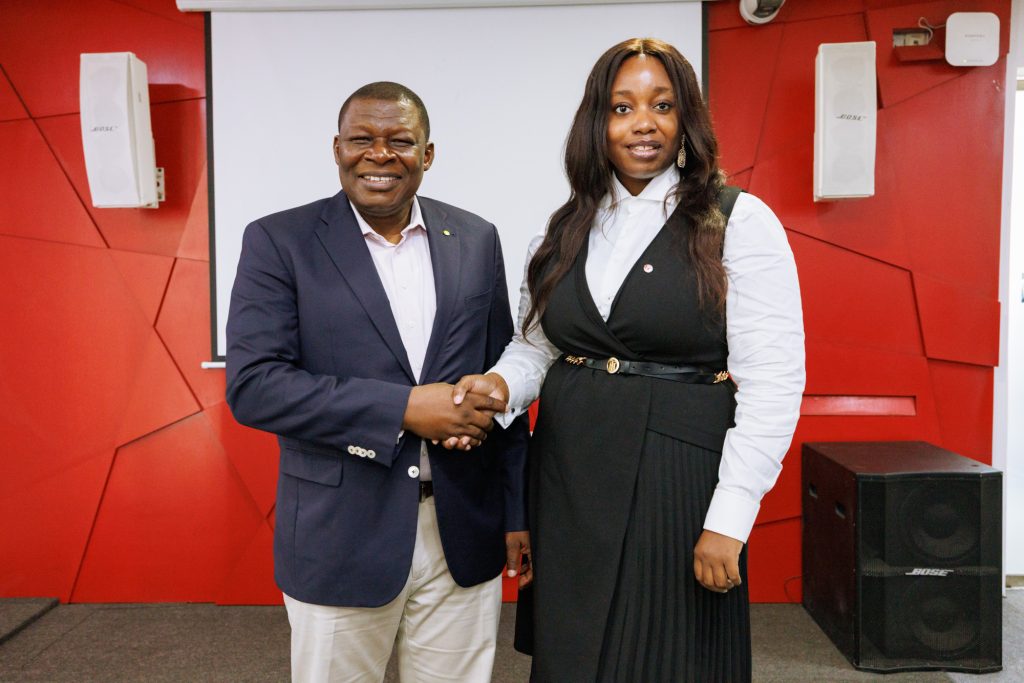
500	84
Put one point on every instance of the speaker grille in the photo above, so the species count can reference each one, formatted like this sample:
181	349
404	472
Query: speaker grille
942	524
908	621
925	522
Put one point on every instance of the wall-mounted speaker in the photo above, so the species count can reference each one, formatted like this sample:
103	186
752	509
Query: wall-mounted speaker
845	121
117	136
902	555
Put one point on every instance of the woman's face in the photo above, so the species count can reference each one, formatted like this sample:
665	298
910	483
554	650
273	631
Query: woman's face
643	125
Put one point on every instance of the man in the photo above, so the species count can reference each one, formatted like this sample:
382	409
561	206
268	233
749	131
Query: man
349	316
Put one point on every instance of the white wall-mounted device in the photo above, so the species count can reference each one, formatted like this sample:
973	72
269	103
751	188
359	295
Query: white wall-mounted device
972	39
845	121
760	11
117	136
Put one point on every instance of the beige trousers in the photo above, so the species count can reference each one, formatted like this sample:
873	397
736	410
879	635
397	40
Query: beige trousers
442	632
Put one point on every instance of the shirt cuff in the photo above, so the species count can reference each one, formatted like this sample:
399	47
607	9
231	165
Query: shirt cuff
508	417
515	380
731	515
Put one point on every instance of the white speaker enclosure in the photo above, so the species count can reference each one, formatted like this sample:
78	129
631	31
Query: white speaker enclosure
845	121
972	39
117	135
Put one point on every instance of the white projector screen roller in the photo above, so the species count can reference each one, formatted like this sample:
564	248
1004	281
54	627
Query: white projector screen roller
500	84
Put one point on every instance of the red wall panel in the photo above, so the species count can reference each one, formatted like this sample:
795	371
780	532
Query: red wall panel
957	325
174	521
741	95
963	399
853	300
948	176
38	202
773	556
185	309
145	275
48	516
10	106
40	43
124	476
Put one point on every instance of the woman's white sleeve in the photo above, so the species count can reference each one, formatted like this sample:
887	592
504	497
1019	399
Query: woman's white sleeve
764	329
528	356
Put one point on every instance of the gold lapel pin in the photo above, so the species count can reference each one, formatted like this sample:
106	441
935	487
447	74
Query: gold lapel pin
446	233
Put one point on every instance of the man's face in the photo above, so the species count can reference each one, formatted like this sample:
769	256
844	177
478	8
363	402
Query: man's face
382	151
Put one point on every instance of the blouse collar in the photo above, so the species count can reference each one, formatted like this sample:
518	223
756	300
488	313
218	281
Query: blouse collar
658	190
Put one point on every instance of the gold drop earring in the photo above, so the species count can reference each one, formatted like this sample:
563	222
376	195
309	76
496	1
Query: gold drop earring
681	157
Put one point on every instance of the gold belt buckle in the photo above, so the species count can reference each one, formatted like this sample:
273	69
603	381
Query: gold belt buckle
612	366
721	376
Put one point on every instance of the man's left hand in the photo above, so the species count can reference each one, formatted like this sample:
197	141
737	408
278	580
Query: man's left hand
517	557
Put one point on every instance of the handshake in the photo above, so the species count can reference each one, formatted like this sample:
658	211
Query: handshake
457	416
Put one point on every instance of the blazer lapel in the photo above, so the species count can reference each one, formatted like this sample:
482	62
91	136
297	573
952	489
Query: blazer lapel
345	244
446	261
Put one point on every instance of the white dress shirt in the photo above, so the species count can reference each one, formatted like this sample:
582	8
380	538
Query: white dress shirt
764	331
407	275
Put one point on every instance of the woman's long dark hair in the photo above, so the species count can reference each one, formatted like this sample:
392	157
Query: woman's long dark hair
590	177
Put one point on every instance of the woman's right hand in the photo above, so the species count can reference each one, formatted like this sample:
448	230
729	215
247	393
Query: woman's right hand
492	384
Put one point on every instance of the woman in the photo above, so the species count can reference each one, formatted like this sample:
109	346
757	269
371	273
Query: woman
648	464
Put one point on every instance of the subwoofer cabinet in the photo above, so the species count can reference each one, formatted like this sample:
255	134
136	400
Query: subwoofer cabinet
902	555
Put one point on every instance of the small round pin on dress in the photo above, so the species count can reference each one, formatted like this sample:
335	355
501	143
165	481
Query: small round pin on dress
446	232
648	268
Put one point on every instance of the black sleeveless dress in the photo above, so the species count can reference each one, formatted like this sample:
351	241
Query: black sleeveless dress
622	470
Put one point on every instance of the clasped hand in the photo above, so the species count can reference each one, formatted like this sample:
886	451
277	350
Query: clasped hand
470	389
440	412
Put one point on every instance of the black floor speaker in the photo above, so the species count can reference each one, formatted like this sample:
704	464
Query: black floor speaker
902	555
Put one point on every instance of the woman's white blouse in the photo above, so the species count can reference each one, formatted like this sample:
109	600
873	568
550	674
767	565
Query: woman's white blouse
764	331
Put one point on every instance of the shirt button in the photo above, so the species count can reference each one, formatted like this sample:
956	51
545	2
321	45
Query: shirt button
414	472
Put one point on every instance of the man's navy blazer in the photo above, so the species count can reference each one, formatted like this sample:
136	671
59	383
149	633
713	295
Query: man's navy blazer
314	356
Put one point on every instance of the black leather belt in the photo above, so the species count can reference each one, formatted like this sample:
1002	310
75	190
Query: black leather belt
426	490
690	374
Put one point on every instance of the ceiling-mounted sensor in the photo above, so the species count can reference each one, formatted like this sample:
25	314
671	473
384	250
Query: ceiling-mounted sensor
760	11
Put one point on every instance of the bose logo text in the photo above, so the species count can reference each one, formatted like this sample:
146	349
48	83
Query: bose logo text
921	571
851	117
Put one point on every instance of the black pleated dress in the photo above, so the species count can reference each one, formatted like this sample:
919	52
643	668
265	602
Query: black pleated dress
622	470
